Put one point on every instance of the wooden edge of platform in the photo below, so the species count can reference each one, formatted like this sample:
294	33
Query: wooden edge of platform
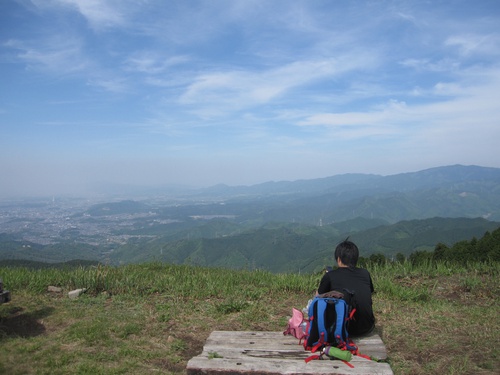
269	352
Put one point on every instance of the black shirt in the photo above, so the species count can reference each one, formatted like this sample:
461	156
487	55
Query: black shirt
359	281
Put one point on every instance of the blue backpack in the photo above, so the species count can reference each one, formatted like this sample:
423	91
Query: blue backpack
328	321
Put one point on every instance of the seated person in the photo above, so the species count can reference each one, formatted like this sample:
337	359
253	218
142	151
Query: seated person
358	280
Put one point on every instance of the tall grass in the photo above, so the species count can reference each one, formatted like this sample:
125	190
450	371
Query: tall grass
153	317
158	278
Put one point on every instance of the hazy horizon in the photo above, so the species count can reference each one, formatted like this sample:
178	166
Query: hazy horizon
199	93
124	191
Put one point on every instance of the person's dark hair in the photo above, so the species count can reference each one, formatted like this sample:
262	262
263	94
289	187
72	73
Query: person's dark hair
348	253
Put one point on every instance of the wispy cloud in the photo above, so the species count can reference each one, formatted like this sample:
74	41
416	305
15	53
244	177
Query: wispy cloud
441	65
381	122
62	56
100	14
55	54
237	89
117	85
467	103
152	62
472	44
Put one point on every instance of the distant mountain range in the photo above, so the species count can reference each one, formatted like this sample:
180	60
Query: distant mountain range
439	177
283	226
453	191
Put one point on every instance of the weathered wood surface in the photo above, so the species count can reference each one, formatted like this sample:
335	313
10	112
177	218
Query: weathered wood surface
227	352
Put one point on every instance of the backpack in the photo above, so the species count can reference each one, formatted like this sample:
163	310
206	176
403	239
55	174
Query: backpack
326	327
329	316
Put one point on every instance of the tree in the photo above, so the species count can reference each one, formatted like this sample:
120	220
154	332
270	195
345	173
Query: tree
440	252
420	257
378	258
400	258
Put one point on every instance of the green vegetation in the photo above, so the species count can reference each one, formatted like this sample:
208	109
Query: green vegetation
486	249
288	247
435	317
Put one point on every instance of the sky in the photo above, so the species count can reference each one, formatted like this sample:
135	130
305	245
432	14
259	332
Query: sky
196	93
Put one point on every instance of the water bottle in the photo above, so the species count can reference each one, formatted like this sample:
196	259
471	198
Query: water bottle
303	326
305	310
333	352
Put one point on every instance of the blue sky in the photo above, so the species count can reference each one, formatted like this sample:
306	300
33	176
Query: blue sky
152	92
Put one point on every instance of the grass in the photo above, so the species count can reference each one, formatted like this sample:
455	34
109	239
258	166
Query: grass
153	318
440	319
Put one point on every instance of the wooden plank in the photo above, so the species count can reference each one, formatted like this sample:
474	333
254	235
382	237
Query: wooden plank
371	345
227	352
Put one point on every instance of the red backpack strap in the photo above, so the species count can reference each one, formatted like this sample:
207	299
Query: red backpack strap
348	364
320	344
351	314
310	358
363	356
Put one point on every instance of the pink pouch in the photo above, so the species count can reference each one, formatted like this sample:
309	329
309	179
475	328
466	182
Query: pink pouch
294	324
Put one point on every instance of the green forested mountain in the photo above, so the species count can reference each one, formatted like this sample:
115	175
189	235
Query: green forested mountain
484	249
413	235
31	264
297	248
453	191
53	253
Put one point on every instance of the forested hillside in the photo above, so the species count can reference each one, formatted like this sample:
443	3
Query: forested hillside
296	248
484	249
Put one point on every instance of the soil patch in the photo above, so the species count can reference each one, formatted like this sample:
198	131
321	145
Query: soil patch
24	324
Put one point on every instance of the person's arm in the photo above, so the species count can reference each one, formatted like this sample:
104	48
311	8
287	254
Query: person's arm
324	285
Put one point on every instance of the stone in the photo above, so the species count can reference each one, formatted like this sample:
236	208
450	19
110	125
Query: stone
76	293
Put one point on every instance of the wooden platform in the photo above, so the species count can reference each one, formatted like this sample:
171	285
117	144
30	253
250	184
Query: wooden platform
269	353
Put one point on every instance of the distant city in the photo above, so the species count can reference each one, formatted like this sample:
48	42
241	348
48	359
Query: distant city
62	220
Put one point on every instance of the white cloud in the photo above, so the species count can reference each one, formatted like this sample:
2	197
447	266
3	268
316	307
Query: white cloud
469	112
100	14
378	122
55	54
471	44
152	62
447	89
441	65
117	84
61	56
237	89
